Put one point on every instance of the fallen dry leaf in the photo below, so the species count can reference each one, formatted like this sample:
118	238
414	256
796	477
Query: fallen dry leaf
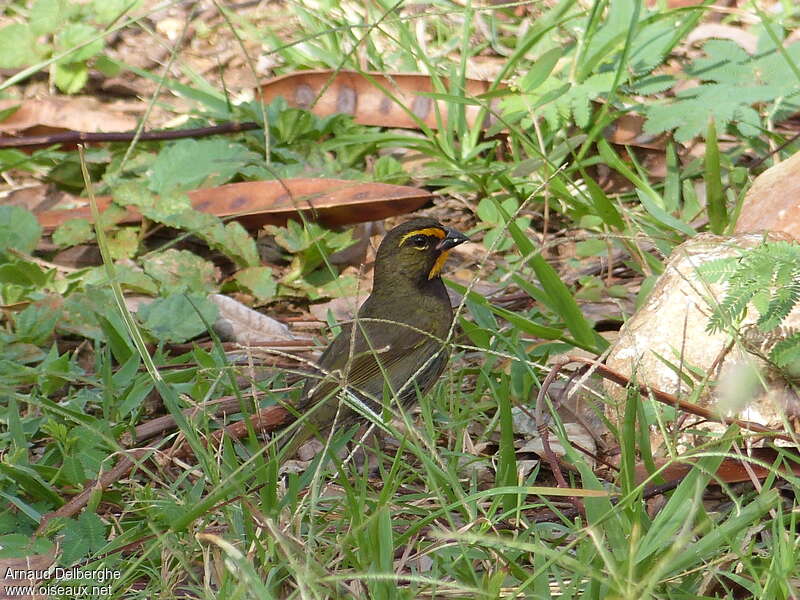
746	39
39	197
258	203
731	470
51	115
395	100
628	130
15	573
242	324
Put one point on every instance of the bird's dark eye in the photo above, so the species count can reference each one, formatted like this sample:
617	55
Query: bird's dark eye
419	241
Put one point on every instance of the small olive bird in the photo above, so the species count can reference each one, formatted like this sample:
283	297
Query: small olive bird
397	341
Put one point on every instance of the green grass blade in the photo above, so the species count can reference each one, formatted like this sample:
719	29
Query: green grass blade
715	195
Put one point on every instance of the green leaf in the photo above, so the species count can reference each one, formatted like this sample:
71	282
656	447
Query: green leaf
123	243
237	244
733	81
106	66
81	37
540	70
172	208
35	324
787	352
29	480
70	77
176	319
129	278
660	215
82	537
527	325
135	194
106	11
654	84
723	534
567	308
4	114
497	240
591	248
507	459
603	206
715	196
15	545
685	502
19	229
388	169
17	46
46	16
559	293
258	280
181	271
189	164
24	274
487	212
73	232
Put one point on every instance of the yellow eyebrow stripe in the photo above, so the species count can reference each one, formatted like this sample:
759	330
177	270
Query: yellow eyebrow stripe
432	231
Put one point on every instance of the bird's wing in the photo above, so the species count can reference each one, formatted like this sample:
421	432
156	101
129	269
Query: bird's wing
388	352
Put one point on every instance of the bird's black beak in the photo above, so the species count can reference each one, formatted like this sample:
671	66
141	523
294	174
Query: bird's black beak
451	240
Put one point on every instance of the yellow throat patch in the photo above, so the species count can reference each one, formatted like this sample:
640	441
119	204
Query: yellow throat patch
438	265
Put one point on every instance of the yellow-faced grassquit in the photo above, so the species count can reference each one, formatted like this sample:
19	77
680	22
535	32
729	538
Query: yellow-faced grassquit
397	341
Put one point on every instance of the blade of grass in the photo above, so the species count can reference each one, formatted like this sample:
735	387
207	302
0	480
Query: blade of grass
558	292
715	196
673	516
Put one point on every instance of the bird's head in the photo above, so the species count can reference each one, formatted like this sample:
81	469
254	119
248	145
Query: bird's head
415	250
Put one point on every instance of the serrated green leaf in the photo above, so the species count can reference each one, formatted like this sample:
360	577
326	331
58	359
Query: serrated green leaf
70	77
17	46
133	193
786	351
655	84
46	16
239	245
733	82
129	278
82	536
73	232
106	11
181	271
123	243
81	37
176	319
258	280
189	164
19	229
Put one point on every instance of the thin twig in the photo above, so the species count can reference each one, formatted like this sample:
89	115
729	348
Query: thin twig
542	427
670	400
120	470
78	137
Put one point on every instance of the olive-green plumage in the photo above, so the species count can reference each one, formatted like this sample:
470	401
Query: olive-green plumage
413	314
